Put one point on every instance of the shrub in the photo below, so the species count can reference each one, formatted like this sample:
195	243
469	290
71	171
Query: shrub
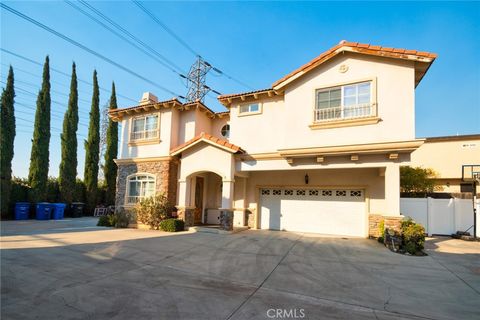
381	229
153	210
121	219
172	225
413	236
105	221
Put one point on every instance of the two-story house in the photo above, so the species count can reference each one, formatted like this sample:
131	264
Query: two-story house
319	151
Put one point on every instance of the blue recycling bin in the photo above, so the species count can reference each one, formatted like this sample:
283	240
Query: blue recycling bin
58	211
22	210
43	211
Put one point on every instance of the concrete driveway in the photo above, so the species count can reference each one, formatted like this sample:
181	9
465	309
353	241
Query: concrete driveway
71	269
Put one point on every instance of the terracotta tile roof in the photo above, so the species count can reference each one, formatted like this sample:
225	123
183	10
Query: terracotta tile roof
360	48
205	136
113	111
233	95
116	113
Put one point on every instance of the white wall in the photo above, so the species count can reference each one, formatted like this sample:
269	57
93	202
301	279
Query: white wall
285	124
441	216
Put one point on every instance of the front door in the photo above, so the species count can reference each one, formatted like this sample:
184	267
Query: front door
198	200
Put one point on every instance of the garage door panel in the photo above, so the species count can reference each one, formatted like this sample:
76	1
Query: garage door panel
340	212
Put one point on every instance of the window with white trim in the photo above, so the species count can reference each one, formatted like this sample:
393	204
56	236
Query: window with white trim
344	102
225	131
145	128
250	108
140	186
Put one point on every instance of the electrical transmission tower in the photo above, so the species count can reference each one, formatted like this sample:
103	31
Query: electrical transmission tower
197	76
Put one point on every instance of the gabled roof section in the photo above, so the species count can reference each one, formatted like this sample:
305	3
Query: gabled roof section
117	114
205	137
227	99
425	59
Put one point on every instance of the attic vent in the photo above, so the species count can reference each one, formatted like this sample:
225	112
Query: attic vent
148	97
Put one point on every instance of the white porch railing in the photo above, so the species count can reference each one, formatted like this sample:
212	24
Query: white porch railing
144	135
344	112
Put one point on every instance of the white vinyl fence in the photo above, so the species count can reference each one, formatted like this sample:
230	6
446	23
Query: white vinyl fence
441	216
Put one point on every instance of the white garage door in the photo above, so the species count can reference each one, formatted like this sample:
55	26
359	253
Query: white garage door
327	211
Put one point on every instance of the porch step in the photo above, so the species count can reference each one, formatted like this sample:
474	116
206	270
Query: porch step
217	230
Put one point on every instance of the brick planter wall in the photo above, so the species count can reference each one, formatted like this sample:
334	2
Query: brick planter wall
165	173
374	221
390	222
187	215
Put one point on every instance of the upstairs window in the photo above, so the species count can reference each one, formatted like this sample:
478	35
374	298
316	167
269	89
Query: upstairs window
250	108
145	128
225	131
140	186
344	102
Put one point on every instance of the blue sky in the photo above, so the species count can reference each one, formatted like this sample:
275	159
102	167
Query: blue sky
256	42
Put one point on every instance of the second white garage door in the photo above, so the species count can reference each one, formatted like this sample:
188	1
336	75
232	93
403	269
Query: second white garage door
327	211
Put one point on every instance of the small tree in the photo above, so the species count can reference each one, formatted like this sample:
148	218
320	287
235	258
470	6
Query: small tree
68	165
110	168
92	148
7	138
39	157
417	179
153	210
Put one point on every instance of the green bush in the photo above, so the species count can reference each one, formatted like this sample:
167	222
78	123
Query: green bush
105	221
172	225
121	219
413	235
153	210
381	229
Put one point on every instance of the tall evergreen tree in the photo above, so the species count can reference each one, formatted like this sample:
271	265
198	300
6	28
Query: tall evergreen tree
68	165
110	168
92	149
7	138
39	157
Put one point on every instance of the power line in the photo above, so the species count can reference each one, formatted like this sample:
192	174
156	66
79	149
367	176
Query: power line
185	44
81	46
34	95
164	60
57	71
56	115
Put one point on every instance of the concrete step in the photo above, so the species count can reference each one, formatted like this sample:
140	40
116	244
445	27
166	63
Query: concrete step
216	230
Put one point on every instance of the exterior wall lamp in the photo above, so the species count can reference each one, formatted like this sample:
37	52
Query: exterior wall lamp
306	178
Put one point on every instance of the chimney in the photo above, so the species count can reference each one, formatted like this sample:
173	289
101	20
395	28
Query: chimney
148	97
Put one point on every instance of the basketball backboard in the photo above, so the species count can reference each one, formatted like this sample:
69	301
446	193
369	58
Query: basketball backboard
471	172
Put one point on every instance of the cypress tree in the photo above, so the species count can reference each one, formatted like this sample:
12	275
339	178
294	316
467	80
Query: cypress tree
7	138
110	168
92	149
68	165
39	157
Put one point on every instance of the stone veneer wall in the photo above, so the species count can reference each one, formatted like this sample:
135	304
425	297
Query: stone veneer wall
390	222
165	172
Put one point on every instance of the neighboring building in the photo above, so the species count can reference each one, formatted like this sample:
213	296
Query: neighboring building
446	155
319	151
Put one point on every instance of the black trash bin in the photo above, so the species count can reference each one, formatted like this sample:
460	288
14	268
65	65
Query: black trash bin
76	209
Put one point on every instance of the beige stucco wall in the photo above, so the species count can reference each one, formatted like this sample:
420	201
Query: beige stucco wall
447	157
204	157
285	124
217	125
202	122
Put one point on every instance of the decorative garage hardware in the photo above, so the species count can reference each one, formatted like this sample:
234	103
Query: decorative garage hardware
289	192
300	192
341	193
313	192
277	192
265	192
306	178
327	193
355	193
